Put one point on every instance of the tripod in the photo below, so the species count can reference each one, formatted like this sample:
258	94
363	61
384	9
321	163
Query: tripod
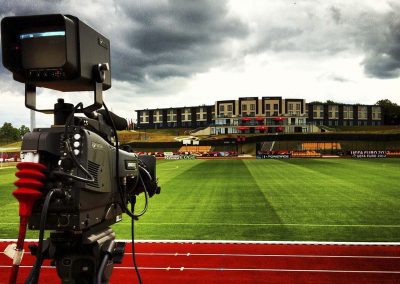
83	258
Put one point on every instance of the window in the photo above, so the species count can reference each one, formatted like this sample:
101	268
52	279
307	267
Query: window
267	107
204	116
315	114
276	106
189	116
252	107
244	107
268	113
229	107
221	108
198	116
297	106
290	106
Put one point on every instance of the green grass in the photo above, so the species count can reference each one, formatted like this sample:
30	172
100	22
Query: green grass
296	199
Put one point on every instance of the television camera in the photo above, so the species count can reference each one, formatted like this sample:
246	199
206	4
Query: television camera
73	179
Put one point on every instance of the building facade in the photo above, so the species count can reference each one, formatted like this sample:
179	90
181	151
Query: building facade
260	115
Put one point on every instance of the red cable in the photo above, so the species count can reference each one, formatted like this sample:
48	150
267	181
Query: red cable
27	193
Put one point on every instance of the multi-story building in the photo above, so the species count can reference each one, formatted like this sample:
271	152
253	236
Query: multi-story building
180	117
255	115
343	114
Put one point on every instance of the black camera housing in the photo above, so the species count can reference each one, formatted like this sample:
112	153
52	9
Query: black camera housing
54	51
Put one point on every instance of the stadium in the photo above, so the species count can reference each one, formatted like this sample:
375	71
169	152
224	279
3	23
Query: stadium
331	199
289	176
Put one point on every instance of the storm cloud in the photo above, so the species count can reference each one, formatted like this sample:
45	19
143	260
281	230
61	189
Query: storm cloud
382	47
153	39
179	52
173	38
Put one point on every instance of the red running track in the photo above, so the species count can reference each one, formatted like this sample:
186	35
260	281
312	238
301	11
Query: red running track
188	262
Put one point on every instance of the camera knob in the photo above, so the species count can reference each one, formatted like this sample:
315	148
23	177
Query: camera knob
67	164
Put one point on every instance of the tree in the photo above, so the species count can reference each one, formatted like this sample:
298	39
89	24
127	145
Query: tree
329	102
9	133
390	112
23	130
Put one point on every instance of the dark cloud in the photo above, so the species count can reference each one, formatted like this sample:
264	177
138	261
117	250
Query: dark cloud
382	46
174	38
152	39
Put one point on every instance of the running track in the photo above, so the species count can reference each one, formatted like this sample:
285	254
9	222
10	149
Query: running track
229	262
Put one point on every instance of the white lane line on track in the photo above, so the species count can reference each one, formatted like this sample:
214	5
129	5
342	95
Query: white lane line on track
262	255
265	255
239	242
238	269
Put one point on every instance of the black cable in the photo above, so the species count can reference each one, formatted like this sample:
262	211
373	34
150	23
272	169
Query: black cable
146	200
35	272
133	243
70	118
121	192
101	268
122	195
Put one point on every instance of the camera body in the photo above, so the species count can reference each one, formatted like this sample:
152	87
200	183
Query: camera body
54	51
82	204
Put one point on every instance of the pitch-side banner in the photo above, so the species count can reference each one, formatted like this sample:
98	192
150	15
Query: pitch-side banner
368	154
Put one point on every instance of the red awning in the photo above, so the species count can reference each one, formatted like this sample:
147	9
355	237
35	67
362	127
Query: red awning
279	129
246	118
279	118
259	118
261	127
241	128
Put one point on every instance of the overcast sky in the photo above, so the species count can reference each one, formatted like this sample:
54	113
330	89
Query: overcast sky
184	53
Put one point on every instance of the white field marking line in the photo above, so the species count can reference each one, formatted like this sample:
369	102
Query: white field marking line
265	255
266	224
237	269
238	242
249	224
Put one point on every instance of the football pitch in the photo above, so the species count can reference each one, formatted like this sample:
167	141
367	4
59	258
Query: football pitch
270	200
